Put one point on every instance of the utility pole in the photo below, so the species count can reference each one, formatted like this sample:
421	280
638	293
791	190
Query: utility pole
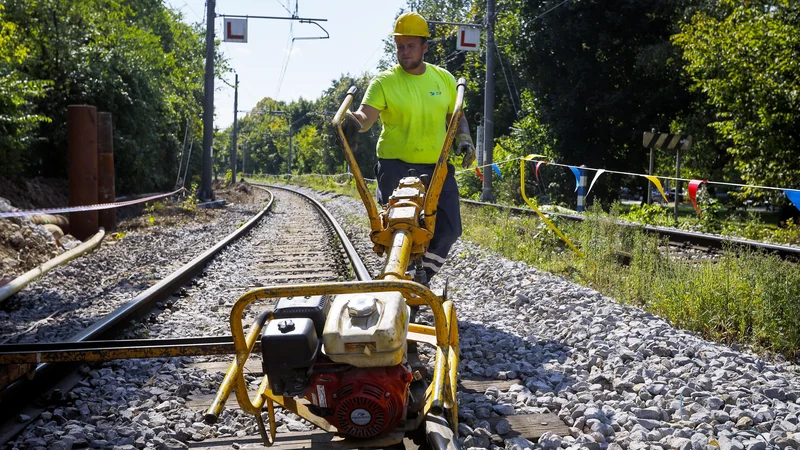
244	156
235	131
488	105
206	192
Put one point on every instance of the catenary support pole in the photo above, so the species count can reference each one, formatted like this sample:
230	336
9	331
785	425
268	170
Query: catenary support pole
105	171
235	130
488	105
82	153
206	192
479	145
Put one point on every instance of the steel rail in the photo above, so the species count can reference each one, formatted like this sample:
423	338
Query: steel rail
361	272
100	351
82	347
674	235
135	308
143	303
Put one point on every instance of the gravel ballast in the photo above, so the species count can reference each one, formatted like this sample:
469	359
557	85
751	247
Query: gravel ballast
618	376
77	294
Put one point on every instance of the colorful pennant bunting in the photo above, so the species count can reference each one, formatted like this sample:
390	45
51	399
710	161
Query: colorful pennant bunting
693	185
497	171
597	175
794	196
657	182
480	175
577	173
537	168
533	155
542	216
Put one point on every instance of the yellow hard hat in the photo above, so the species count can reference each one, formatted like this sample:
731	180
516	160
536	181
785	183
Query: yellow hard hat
411	24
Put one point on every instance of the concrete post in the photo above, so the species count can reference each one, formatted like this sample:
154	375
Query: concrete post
82	154
105	171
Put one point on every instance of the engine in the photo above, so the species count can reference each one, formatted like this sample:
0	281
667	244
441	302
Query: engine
346	356
361	402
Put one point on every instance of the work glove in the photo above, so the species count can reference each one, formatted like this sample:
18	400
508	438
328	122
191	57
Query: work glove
465	148
351	126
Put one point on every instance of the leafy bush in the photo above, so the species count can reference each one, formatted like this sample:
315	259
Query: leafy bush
652	214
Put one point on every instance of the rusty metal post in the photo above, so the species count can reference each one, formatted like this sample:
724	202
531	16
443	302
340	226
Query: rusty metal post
105	171
82	148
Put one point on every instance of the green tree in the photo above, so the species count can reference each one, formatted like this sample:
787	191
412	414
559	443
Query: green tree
17	90
133	58
745	59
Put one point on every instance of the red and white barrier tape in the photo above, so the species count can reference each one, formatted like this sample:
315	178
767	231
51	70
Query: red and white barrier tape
30	212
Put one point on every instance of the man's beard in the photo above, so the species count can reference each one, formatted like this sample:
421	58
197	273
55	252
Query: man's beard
410	64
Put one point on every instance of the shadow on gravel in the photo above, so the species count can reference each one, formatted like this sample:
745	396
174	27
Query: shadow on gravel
489	352
502	374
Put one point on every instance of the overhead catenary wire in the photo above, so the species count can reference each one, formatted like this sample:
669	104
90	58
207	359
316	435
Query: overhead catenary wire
284	6
285	64
549	10
380	46
510	93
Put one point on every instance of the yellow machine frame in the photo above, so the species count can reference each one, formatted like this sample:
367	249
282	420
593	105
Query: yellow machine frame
404	239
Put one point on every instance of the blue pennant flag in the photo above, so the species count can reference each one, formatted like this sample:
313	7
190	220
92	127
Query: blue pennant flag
577	173
497	171
794	197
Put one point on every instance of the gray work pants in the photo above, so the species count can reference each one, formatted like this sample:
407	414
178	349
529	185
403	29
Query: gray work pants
448	215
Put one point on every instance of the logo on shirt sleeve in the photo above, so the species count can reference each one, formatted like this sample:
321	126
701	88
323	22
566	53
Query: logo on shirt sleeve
436	93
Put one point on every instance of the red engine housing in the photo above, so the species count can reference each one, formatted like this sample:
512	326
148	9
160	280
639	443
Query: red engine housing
361	402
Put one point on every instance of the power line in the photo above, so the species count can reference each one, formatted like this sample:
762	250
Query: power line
370	56
284	6
554	7
510	94
285	65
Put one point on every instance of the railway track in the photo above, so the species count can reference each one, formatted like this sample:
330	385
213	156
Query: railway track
294	244
541	359
679	240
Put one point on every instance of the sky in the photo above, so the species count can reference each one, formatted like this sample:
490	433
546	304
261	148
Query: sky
357	29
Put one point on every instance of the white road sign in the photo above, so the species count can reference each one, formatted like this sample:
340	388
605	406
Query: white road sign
235	30
468	38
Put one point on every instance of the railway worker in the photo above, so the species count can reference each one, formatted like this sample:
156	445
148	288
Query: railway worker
415	101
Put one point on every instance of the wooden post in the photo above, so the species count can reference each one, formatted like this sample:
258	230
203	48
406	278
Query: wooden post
105	171
82	153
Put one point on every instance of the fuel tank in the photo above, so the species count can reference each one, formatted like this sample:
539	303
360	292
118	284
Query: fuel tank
367	330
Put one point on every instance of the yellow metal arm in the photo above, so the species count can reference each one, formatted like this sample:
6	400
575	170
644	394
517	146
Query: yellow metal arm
440	172
361	185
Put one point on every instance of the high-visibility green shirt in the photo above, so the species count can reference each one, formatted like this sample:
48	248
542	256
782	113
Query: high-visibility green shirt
414	111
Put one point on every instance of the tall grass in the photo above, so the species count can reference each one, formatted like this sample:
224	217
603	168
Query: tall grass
744	296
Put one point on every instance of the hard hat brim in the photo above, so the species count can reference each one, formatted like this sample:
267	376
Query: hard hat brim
408	34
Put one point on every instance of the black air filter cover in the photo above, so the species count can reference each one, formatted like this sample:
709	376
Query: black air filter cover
289	348
314	307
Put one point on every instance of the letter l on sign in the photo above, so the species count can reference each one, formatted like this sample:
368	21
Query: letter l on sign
235	30
468	38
